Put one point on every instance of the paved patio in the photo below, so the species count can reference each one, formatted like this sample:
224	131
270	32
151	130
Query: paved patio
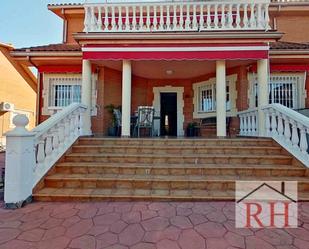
140	225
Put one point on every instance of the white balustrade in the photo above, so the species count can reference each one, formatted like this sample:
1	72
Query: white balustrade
249	122
290	129
31	154
176	16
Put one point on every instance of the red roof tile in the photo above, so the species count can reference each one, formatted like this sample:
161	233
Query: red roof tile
289	46
52	47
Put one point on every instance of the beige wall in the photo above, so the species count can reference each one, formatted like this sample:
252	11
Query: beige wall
14	89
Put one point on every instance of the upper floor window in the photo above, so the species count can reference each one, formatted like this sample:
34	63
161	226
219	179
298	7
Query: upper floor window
284	89
205	97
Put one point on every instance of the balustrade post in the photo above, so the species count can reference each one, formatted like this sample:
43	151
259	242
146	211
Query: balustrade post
273	123
303	139
287	130
19	164
280	125
295	138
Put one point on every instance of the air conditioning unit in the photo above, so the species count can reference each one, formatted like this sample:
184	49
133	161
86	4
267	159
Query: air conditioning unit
6	107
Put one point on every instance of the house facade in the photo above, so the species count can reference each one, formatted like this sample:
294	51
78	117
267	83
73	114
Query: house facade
241	64
18	88
206	57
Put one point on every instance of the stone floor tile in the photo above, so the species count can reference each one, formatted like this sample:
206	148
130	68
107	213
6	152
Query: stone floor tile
87	213
253	242
235	240
79	228
197	219
56	243
181	222
70	221
118	226
183	211
131	217
83	242
54	233
148	214
300	233
216	216
190	239
51	223
97	230
167	212
210	229
217	243
32	235
106	239
155	224
131	235
143	245
275	237
106	219
156	206
7	234
17	244
167	244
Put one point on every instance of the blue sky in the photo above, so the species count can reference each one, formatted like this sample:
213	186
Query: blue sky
26	23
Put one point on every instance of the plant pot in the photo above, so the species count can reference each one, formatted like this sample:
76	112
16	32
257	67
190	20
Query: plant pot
190	132
111	131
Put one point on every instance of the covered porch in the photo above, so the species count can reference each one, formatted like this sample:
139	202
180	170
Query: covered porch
192	83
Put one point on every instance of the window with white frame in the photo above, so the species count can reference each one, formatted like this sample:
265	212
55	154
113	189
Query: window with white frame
285	89
64	91
205	97
61	90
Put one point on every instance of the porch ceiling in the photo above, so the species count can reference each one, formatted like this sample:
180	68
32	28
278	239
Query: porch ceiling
177	69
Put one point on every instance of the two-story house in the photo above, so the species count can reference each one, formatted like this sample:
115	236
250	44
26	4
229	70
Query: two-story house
242	63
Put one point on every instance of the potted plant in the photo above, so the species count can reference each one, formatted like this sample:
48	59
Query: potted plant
112	129
191	129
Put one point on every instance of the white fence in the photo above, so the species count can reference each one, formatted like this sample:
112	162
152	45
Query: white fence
176	16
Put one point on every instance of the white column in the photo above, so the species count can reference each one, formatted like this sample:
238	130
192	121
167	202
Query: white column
126	98
221	98
262	71
86	98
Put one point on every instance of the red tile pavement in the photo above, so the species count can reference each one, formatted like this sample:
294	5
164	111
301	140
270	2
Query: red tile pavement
141	225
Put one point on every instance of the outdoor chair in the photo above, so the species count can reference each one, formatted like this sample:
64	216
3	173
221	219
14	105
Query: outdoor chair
118	122
145	119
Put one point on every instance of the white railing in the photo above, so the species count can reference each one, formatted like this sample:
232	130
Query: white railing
248	122
176	16
289	128
31	154
290	1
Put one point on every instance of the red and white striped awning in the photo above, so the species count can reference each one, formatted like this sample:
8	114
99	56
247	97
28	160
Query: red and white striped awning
176	52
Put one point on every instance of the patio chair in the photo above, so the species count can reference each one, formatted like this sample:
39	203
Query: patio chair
118	122
145	119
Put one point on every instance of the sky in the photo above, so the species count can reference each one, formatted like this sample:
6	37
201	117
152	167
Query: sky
26	23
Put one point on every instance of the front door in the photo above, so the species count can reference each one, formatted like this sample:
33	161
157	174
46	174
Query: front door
168	114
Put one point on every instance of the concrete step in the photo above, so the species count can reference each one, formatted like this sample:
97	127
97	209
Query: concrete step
179	150
181	159
203	182
78	194
177	141
176	169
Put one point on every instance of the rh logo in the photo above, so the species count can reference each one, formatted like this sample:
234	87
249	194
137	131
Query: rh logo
270	204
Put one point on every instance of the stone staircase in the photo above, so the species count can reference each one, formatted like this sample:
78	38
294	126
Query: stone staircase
166	169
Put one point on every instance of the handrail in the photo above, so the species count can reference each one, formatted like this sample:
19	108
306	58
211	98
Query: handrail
165	16
289	128
31	154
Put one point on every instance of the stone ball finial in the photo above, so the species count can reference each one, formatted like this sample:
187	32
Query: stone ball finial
20	121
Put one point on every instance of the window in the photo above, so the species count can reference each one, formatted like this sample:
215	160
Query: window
64	91
205	97
283	89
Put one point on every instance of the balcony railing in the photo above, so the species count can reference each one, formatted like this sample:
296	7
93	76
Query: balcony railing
177	16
